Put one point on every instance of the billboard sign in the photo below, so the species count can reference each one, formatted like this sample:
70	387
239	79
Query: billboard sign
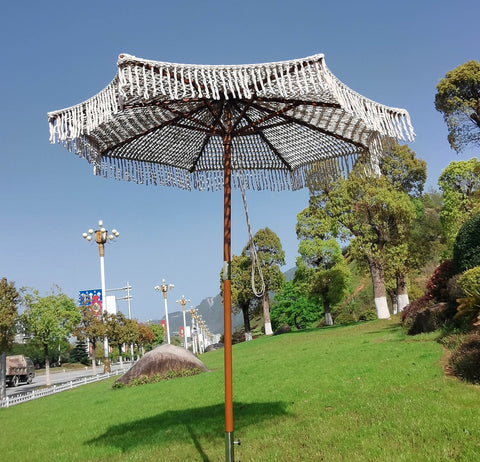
92	298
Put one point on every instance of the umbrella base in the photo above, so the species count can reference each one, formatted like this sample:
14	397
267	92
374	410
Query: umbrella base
229	445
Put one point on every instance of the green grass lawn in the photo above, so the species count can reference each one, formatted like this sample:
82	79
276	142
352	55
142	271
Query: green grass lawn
358	393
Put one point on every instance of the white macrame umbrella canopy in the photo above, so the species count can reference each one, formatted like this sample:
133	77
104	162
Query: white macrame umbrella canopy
265	126
163	123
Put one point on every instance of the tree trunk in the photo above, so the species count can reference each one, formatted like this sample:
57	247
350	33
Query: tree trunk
94	359
327	312
120	355
394	299
266	314
379	292
246	324
402	292
47	366
3	375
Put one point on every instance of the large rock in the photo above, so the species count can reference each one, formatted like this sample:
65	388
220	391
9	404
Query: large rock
283	329
213	347
161	360
429	319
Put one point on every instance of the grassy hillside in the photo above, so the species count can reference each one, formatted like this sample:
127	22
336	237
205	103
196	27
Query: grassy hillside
363	392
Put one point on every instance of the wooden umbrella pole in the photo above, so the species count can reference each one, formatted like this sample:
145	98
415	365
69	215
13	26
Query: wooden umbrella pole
227	289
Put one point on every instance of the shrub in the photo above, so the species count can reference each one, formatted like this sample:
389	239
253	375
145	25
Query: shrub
345	317
465	361
470	280
466	249
172	374
469	306
452	340
411	310
437	285
368	315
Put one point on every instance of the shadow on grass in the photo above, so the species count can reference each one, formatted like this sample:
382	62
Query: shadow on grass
194	425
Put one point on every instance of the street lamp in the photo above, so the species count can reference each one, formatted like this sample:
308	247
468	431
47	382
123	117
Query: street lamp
194	347
182	302
165	288
101	236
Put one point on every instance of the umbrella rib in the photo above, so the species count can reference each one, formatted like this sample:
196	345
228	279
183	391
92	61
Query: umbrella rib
211	129
242	113
215	114
197	158
299	102
267	142
218	117
248	129
293	120
182	115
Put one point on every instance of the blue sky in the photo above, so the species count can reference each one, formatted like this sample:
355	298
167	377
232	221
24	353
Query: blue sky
56	54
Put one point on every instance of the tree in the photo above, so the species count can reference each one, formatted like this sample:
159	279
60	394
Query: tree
460	184
243	298
458	98
132	333
406	172
116	329
323	268
375	214
9	298
149	335
466	250
79	353
91	328
407	175
271	257
292	307
268	248
158	334
367	210
50	319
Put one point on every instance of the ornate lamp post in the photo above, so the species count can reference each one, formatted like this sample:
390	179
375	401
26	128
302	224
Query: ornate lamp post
101	237
194	346
165	288
182	302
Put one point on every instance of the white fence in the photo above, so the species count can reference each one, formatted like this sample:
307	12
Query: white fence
40	392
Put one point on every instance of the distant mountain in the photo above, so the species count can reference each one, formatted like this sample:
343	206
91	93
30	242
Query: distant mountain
211	309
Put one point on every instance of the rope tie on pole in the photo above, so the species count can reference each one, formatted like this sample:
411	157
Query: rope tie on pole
253	250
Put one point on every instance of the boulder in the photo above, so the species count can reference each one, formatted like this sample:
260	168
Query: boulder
213	347
429	319
283	329
160	361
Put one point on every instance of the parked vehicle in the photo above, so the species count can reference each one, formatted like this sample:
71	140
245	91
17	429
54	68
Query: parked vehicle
19	369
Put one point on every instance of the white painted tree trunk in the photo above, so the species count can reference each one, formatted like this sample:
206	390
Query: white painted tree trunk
328	319
402	291
379	292
403	301
381	307
266	314
248	336
268	328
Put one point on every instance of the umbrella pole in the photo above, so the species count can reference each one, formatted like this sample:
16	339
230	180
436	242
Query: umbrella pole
227	300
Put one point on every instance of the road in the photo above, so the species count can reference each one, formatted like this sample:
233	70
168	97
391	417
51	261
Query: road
59	375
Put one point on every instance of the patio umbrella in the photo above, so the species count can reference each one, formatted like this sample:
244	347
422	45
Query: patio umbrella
272	125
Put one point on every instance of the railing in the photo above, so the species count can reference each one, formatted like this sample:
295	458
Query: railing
40	392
